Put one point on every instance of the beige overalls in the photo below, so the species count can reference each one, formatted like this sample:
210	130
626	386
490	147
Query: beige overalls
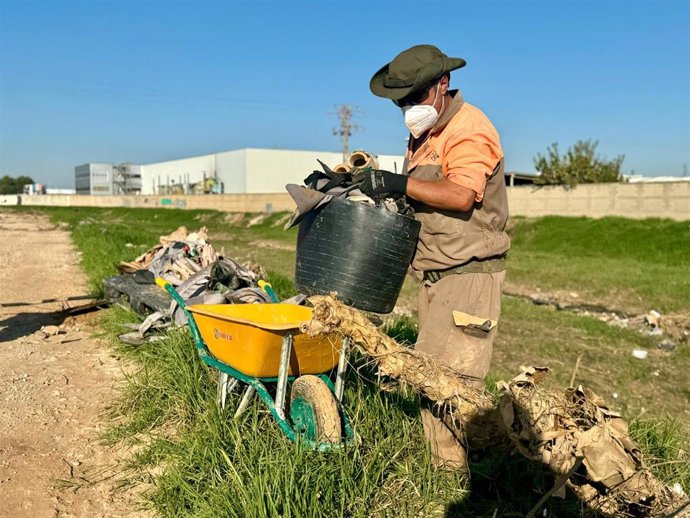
476	242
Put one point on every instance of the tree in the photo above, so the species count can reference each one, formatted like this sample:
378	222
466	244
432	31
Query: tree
580	164
9	185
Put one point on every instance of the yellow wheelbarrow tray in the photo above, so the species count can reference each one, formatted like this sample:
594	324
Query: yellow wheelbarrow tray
259	345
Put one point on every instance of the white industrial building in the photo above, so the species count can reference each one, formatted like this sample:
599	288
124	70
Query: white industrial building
99	178
240	171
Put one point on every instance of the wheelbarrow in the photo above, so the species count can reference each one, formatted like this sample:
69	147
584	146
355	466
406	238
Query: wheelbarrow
259	347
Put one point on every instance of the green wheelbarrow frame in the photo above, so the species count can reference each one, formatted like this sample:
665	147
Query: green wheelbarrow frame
229	378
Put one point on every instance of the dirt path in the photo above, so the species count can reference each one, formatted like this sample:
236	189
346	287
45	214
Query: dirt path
54	388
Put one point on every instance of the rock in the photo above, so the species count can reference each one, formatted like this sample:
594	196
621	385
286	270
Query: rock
134	338
619	322
667	345
538	300
256	220
52	330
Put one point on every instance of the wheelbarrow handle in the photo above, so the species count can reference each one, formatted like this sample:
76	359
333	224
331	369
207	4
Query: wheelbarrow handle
266	286
196	335
167	286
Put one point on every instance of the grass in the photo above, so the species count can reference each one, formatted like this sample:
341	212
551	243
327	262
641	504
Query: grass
206	463
217	466
666	453
635	265
541	336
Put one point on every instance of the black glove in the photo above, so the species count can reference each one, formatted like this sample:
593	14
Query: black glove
378	184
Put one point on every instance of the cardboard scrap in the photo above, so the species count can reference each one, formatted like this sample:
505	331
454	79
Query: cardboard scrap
559	428
466	320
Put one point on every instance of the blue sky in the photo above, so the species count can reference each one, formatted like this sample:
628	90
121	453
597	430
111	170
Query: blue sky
145	81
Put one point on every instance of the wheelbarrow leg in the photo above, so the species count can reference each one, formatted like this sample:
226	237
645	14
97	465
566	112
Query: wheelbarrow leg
225	384
281	389
342	366
222	389
246	398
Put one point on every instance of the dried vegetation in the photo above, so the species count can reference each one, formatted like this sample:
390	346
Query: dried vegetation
572	432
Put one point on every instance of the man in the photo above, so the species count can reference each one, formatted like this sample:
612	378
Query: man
453	177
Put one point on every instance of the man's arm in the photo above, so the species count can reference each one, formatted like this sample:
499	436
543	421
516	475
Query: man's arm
441	194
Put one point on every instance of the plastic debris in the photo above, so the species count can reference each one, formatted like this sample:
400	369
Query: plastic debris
678	489
640	353
652	318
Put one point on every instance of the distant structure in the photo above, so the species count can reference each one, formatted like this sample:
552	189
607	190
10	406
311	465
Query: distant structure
59	190
513	179
346	127
241	171
101	178
33	189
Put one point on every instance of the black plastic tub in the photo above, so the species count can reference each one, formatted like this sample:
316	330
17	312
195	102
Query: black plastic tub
359	251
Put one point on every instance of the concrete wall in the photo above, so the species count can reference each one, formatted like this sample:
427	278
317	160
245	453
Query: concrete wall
638	200
222	202
642	200
9	200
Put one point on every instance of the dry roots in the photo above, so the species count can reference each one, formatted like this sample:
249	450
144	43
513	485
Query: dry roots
462	403
572	433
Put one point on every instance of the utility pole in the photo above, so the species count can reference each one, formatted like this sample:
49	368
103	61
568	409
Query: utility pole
345	113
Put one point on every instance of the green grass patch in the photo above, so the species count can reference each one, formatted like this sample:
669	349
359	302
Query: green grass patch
402	329
634	265
666	452
283	285
657	241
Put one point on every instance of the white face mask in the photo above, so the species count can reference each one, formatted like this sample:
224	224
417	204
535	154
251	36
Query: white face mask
420	118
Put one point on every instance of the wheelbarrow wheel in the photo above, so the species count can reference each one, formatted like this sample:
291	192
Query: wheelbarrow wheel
313	410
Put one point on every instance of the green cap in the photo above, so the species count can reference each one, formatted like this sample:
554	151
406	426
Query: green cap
411	70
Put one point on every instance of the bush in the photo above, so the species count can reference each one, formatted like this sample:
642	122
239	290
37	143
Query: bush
9	185
579	165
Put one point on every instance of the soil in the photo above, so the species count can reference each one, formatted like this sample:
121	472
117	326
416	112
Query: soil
54	384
